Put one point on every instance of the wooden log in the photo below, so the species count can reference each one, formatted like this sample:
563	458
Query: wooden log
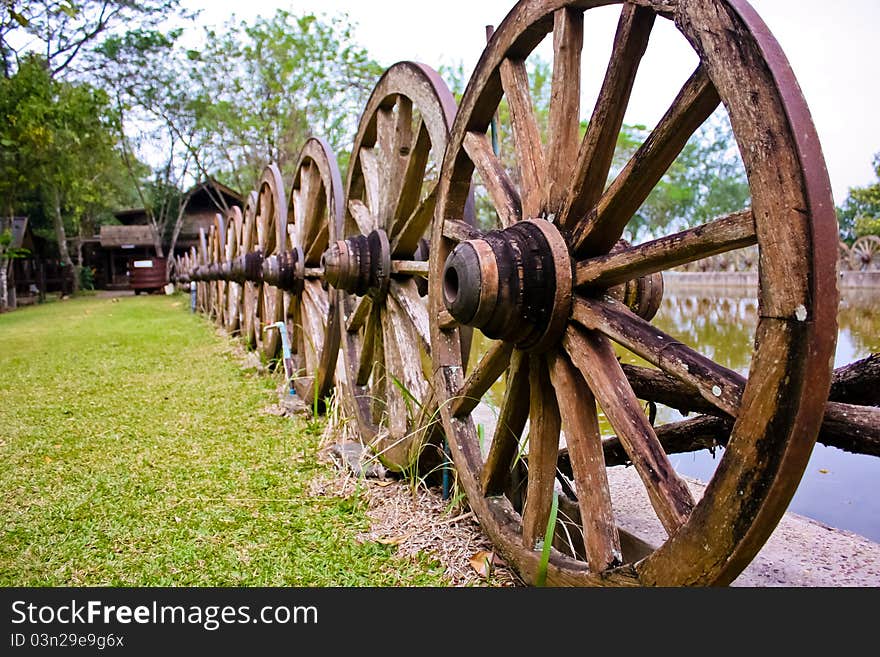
858	382
848	427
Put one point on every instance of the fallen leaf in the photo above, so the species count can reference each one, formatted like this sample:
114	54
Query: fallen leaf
484	562
823	471
382	484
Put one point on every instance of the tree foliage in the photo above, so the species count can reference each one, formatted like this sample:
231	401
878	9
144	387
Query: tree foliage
860	213
57	149
260	89
65	32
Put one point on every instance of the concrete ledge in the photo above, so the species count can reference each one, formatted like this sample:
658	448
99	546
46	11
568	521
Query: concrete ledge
749	279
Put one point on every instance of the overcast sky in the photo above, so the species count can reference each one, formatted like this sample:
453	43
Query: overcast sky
831	47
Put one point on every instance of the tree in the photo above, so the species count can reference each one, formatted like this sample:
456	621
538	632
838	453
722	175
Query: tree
860	213
64	31
58	146
262	88
7	254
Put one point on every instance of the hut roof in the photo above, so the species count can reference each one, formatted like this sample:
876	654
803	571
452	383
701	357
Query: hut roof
123	235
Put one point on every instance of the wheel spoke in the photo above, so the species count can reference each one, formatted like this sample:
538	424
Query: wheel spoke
604	225
410	267
359	315
406	345
544	425
580	424
716	384
368	345
458	231
407	238
413	177
406	296
318	245
393	131
370	170
315	203
395	401
526	137
315	309
594	357
365	221
597	148
501	189
481	378
511	421
565	93
733	231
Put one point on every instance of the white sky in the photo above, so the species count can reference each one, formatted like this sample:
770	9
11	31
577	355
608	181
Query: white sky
831	47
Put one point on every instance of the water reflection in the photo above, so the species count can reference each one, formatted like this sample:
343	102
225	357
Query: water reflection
837	487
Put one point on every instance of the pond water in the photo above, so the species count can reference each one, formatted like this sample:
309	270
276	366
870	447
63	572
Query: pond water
838	488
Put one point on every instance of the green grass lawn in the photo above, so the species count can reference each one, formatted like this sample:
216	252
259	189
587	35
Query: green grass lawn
133	451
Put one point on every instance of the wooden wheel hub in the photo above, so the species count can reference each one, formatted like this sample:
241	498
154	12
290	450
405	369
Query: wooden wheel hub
286	270
359	265
512	284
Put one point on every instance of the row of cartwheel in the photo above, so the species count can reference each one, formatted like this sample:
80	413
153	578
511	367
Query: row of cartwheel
863	255
501	339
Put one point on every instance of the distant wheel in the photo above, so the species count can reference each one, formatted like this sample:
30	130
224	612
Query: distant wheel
314	214
865	253
380	259
551	288
235	293
250	289
843	255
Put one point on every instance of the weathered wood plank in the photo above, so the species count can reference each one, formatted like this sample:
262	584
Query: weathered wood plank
365	221
418	224
526	137
733	231
593	355
580	423
717	385
597	148
601	229
565	96
502	191
491	366
511	420
544	426
413	307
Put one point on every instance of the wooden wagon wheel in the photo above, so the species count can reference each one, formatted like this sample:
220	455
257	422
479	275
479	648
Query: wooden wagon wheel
314	214
380	256
865	253
271	239
203	287
250	289
234	293
543	286
843	254
218	256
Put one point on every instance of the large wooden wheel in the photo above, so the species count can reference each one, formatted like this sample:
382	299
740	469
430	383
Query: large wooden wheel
380	256
250	289
555	290
271	240
314	213
234	292
865	253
